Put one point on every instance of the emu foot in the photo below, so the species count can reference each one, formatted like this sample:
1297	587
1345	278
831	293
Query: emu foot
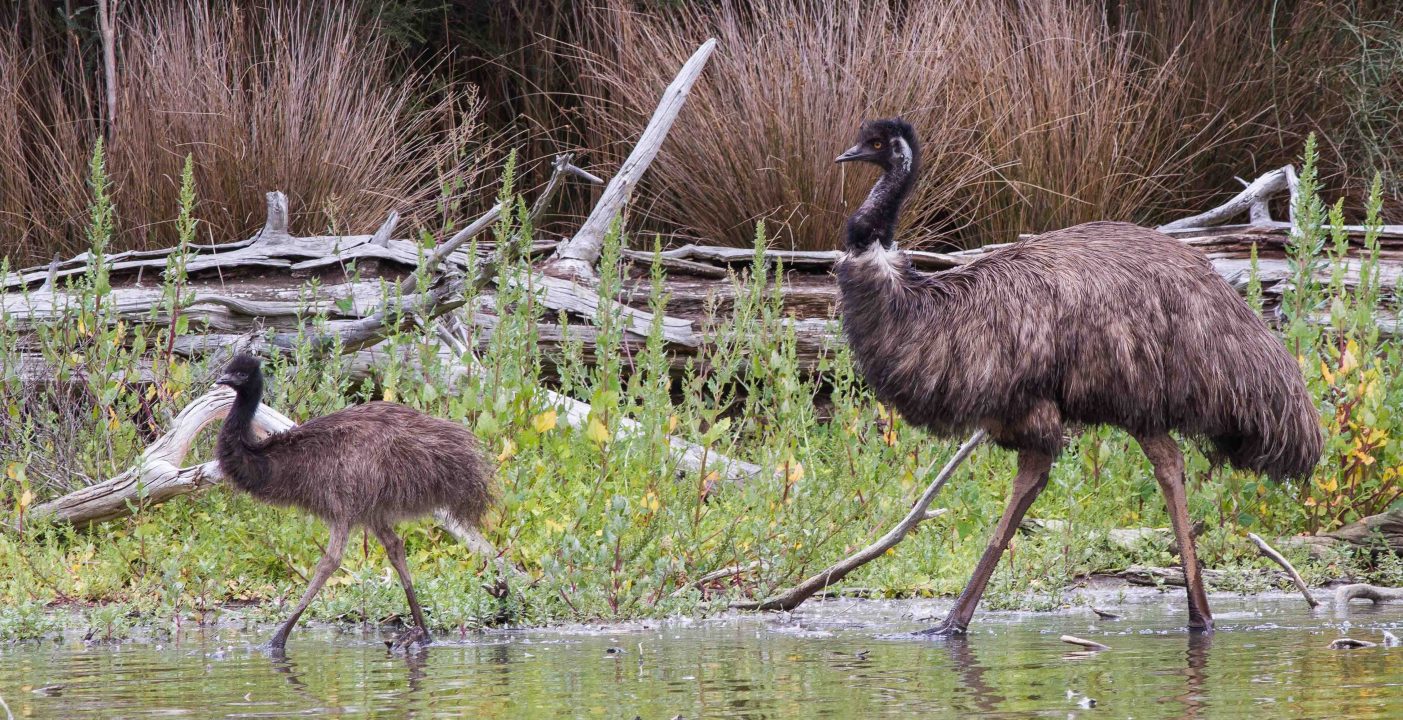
1201	626
277	646
415	638
946	628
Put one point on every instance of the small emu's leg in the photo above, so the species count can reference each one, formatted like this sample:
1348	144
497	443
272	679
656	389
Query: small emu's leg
394	548
1165	455
1027	485
331	560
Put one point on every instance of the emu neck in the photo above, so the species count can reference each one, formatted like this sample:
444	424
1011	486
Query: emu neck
240	453
239	423
876	219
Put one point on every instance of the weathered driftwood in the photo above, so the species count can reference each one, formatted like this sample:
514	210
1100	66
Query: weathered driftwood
795	596
159	475
1279	559
1104	614
1363	591
1253	200
575	258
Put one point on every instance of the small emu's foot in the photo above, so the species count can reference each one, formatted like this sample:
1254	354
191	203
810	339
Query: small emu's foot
277	647
415	638
1199	626
944	629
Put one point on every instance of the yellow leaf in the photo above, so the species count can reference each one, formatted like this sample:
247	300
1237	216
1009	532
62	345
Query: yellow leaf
1350	360
889	435
795	472
1325	373
597	432
544	422
1329	485
25	499
508	450
671	424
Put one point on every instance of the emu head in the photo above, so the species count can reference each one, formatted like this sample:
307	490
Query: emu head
244	373
889	144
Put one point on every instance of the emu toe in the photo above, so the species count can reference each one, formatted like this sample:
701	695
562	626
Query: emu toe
411	639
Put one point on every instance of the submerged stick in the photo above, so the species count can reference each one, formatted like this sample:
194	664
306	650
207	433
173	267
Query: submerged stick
839	570
1281	560
1083	642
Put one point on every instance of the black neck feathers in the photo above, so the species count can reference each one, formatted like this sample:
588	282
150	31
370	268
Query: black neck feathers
240	453
875	221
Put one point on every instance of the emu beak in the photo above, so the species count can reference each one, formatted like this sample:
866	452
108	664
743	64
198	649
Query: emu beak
225	379
855	152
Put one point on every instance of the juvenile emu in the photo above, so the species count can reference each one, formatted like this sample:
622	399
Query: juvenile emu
370	465
1102	323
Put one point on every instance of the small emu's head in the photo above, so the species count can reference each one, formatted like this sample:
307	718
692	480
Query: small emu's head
889	143
244	373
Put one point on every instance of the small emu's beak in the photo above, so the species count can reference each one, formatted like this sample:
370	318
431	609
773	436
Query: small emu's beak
855	152
225	379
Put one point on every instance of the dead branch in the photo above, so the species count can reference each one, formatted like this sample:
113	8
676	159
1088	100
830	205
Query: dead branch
1351	644
575	257
1253	199
1364	591
839	570
1281	560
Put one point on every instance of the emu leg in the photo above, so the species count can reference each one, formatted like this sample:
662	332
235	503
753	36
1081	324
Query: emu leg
331	560
1027	485
394	548
1164	454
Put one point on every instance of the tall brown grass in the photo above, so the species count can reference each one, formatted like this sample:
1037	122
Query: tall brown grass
1034	114
300	97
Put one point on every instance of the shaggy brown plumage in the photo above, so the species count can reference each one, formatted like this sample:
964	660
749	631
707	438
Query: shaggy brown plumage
1103	323
370	465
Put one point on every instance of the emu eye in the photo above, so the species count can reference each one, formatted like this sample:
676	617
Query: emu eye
876	144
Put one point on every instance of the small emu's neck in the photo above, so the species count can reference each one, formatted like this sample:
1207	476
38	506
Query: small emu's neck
240	453
876	219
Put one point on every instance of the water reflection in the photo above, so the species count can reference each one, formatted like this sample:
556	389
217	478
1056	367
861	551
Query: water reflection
824	663
972	674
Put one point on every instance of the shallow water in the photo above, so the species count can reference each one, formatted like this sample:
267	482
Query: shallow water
834	659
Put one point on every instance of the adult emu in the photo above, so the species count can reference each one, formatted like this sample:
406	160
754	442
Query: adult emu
369	465
1102	323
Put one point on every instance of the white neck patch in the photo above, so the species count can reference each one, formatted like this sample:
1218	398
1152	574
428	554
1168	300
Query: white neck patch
903	151
885	260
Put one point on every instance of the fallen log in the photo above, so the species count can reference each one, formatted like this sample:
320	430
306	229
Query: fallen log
1384	529
919	513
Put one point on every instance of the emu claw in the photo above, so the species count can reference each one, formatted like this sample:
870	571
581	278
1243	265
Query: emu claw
944	629
413	638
